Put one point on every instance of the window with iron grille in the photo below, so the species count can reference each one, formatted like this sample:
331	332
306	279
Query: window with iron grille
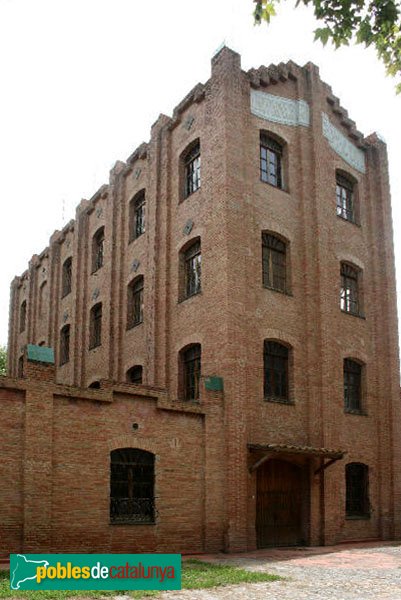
67	277
95	326
352	385
191	359
274	262
134	374
275	371
135	302
357	490
349	295
132	480
65	345
192	170
137	215
345	198
271	159
98	250
193	269
22	317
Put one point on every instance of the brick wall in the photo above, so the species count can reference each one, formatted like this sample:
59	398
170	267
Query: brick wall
234	314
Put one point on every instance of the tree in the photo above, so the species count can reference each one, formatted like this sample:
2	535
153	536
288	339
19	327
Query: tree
3	360
374	22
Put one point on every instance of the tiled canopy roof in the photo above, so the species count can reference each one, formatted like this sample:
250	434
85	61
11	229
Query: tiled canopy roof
289	449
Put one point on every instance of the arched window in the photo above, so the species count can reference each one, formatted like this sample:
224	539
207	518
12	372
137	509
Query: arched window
191	160
137	215
135	302
350	289
271	160
191	270
66	279
352	385
65	345
346	198
357	503
132	479
190	366
274	262
275	358
98	250
95	385
134	374
95	326
22	317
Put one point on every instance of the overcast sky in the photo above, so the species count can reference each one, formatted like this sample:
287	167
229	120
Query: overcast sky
82	81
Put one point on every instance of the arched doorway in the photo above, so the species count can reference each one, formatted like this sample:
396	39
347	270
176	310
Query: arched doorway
280	504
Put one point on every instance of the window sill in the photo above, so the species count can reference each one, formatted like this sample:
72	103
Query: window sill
129	327
189	297
128	522
282	292
275	187
65	295
277	400
189	195
64	363
352	411
351	314
134	239
357	517
349	221
96	270
94	347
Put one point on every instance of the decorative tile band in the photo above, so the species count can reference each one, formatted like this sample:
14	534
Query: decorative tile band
342	146
279	110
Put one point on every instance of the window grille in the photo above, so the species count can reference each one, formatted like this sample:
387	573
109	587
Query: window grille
352	385
96	326
135	302
67	277
345	198
98	250
275	371
65	345
132	479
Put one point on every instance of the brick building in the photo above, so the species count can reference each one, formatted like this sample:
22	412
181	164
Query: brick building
223	319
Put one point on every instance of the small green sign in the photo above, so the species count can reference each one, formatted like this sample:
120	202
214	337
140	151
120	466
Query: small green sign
214	384
95	571
40	354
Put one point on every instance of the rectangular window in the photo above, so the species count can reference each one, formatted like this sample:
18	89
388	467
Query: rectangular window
274	262
270	161
275	371
357	490
135	303
352	385
349	296
345	199
193	268
96	326
65	345
192	371
192	165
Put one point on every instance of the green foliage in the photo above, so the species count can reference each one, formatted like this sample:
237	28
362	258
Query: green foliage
3	360
195	575
372	23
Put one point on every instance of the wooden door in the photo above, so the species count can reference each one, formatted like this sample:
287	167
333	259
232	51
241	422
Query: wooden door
279	504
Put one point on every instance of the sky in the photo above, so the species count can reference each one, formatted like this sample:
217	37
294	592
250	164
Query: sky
82	81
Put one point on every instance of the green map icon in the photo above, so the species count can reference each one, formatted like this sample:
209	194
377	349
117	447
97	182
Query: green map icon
24	570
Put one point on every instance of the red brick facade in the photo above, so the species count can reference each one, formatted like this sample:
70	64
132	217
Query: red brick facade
207	493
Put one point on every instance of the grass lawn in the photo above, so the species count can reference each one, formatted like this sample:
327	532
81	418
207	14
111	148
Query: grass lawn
195	575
